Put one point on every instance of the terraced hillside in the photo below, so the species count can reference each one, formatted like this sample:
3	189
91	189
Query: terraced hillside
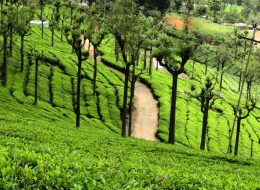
40	148
189	117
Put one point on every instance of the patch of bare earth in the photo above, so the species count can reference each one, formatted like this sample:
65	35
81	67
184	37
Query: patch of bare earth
145	118
178	23
257	37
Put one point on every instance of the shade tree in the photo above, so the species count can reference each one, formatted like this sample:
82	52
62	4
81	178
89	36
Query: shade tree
173	50
4	32
75	36
23	28
124	22
207	96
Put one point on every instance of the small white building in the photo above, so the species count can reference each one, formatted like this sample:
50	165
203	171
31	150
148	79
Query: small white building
39	23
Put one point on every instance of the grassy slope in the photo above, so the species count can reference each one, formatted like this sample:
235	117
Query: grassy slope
205	26
189	117
40	148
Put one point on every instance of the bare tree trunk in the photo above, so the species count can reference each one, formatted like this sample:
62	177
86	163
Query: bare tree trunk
124	111
78	88
42	20
116	51
61	33
42	30
157	65
52	36
22	53
95	71
221	77
4	64
237	135
193	69
131	101
11	39
240	80
145	51
204	125
171	139
151	62
206	67
36	80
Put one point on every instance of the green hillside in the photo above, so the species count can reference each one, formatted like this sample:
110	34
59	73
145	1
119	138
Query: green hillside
40	147
189	118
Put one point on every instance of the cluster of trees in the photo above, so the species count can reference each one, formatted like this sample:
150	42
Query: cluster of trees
135	28
216	9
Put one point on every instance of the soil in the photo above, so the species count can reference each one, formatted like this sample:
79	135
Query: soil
145	114
257	37
178	23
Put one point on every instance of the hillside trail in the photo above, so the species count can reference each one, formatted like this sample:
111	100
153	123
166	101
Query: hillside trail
257	37
145	115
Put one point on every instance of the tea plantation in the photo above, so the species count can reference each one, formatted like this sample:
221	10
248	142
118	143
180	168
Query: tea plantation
40	148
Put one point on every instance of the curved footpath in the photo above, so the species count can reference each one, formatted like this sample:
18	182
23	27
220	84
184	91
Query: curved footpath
145	116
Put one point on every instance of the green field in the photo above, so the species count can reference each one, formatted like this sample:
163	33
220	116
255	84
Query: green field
40	148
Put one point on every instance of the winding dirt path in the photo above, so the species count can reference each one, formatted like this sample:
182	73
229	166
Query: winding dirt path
145	119
257	37
145	115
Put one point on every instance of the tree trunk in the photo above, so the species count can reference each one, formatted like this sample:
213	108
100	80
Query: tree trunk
4	64
137	59
78	88
193	68
42	19
124	111
11	40
61	33
237	135
36	80
52	36
71	15
95	71
151	62
22	53
171	139
131	101
240	80
206	67
157	65
204	125
145	58
42	30
116	51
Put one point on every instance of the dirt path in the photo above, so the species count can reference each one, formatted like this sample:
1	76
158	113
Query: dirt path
145	114
257	37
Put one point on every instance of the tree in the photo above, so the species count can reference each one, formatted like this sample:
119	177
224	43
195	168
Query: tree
223	57
4	31
242	113
170	45
177	5
124	24
75	38
23	28
160	5
203	55
42	16
11	21
95	32
64	15
215	6
207	97
55	18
